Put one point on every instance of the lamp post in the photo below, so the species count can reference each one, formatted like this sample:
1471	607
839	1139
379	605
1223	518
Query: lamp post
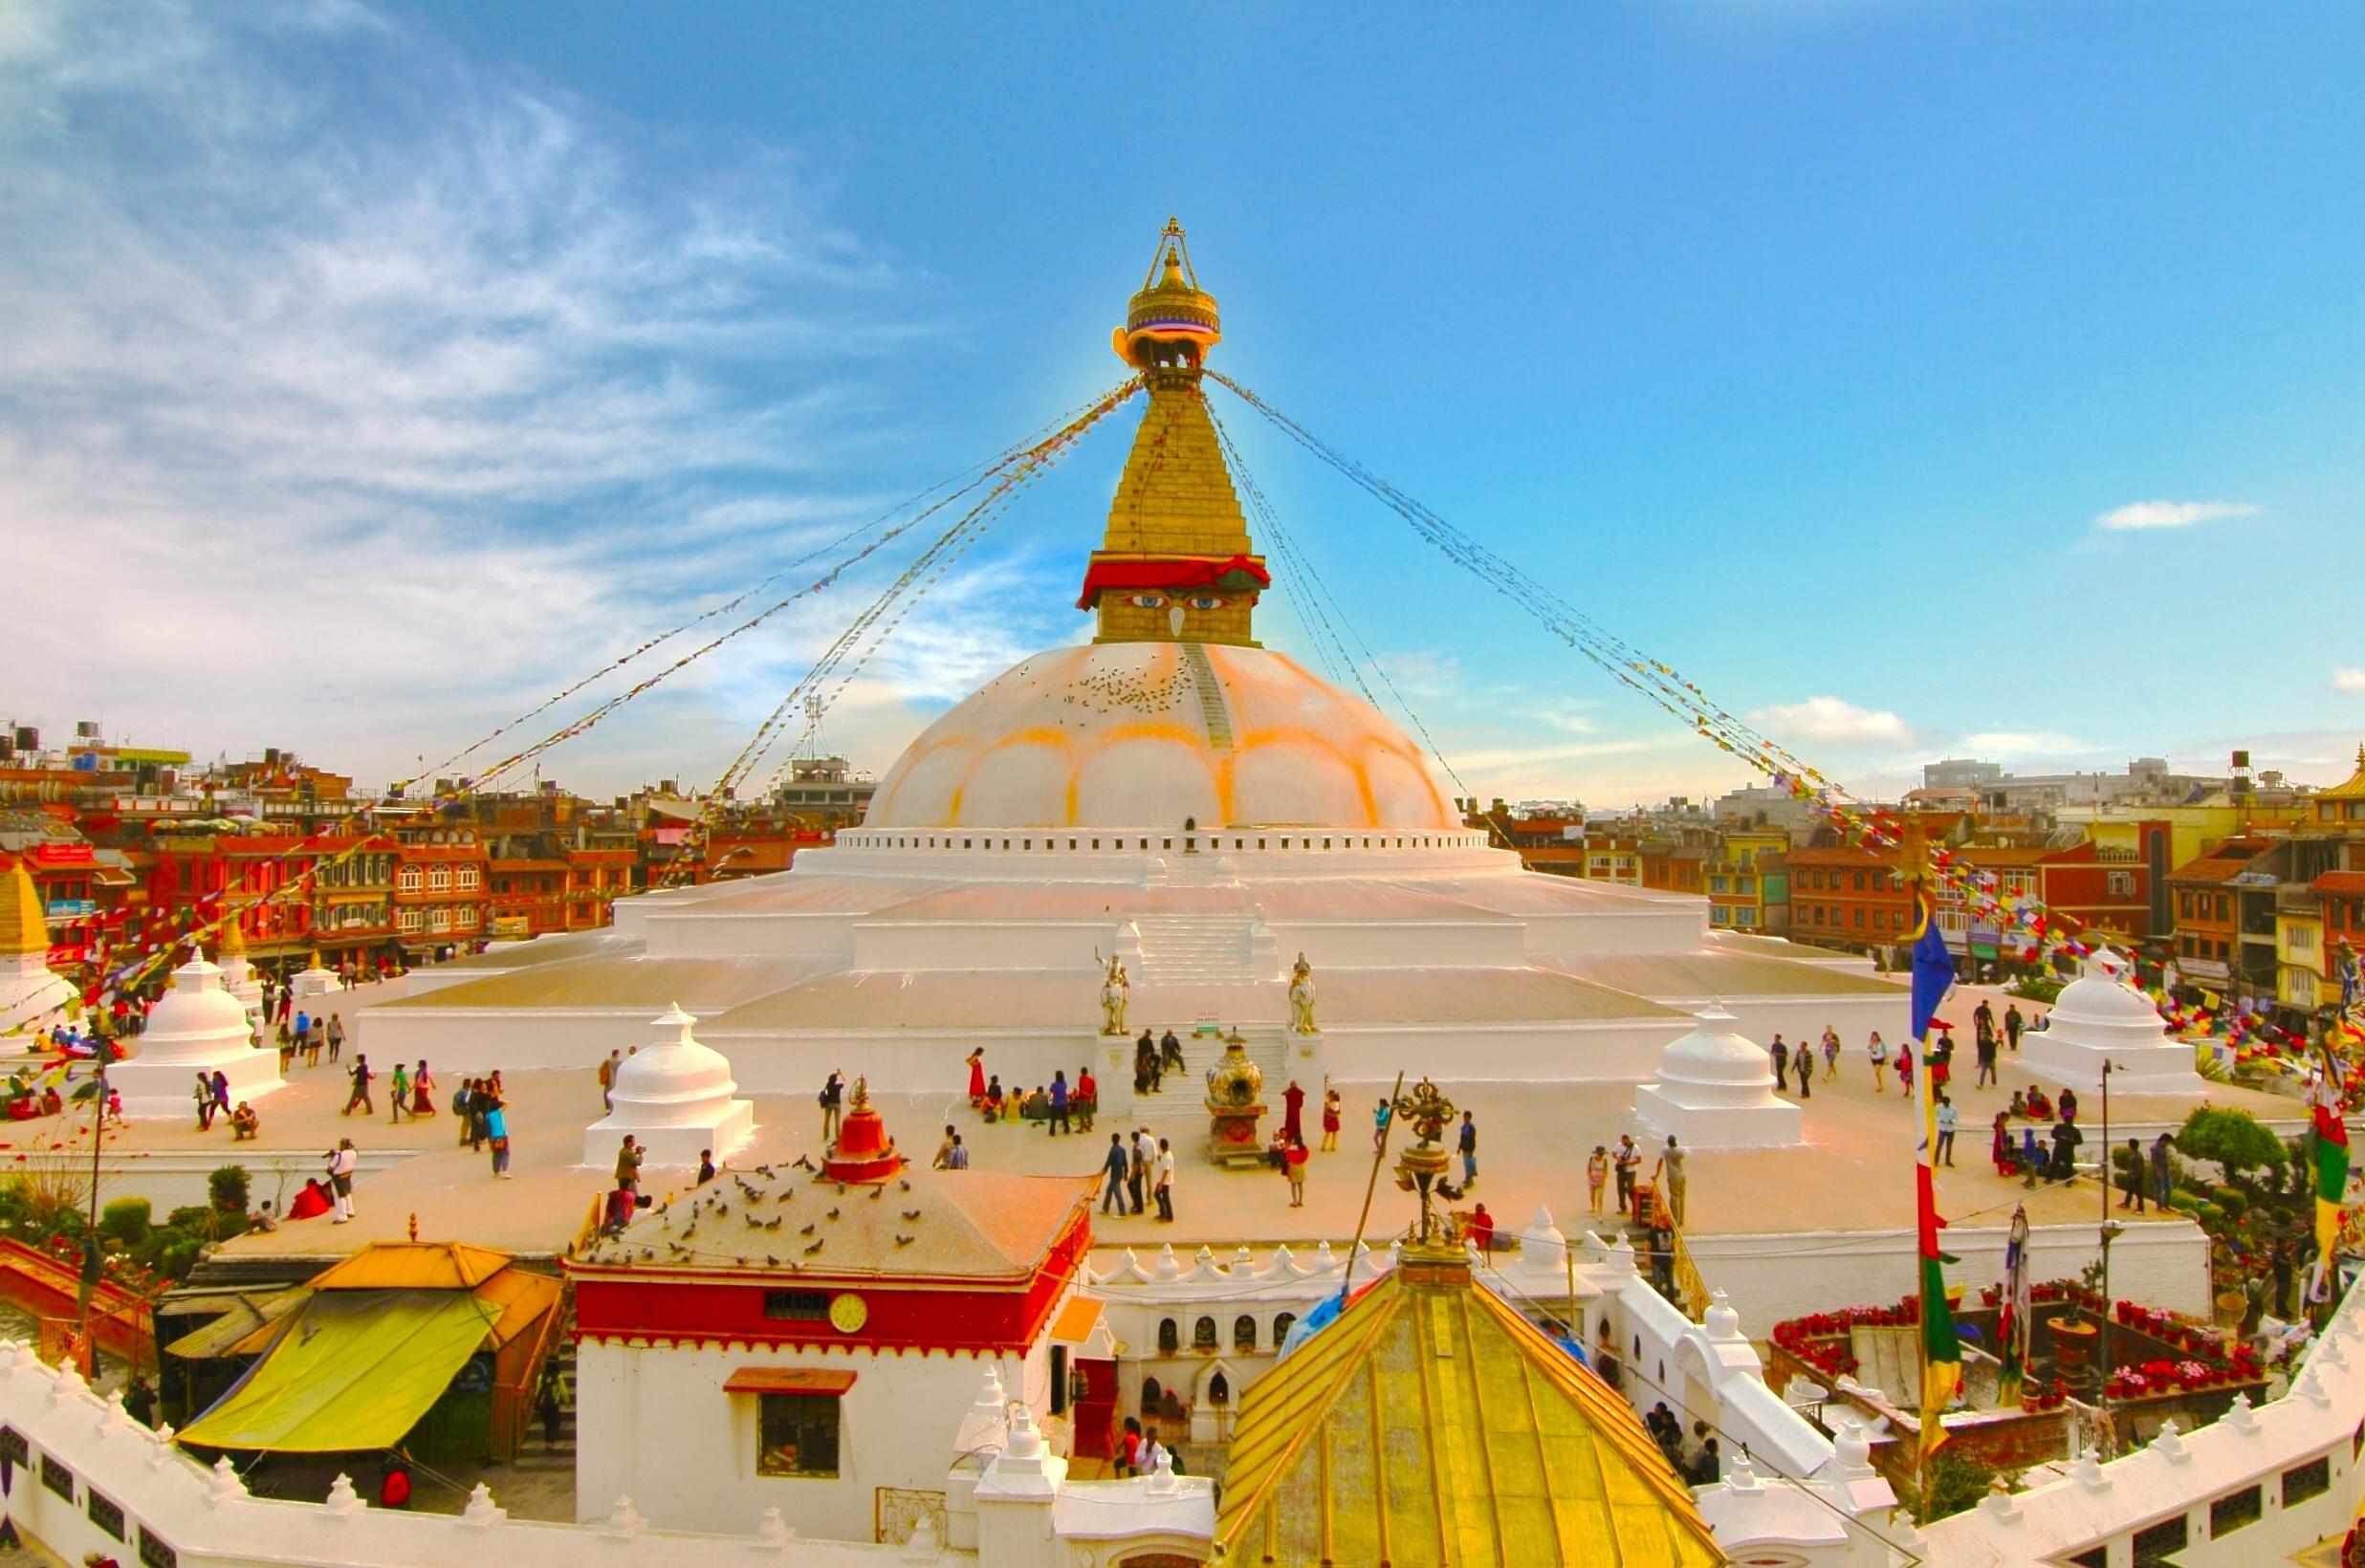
2111	1229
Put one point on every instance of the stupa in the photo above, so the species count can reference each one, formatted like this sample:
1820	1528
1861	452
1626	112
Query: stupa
315	980
1169	811
1715	1090
238	976
677	1098
31	995
2098	1017
195	1027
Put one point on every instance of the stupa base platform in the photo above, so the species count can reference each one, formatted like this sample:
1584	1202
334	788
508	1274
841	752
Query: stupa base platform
165	1091
671	1148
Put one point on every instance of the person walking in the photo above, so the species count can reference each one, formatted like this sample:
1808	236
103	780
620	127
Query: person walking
398	1093
343	1163
2137	1178
1670	1166
1781	1053
1831	1054
1596	1175
334	1035
204	1102
1170	1054
303	1025
463	1099
833	1095
1293	1113
495	1114
1086	1100
1165	1182
1329	1120
1137	1178
1380	1117
1985	1047
628	1160
360	1088
1293	1167
1944	1153
1805	1062
1983	1021
546	1406
1879	1054
1056	1121
421	1093
2013	1026
2163	1170
608	1079
1628	1164
1145	1070
1114	1167
1469	1148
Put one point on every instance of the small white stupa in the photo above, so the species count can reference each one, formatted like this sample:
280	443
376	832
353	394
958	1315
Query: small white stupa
195	1027
1715	1090
314	980
238	976
32	996
2100	1017
677	1098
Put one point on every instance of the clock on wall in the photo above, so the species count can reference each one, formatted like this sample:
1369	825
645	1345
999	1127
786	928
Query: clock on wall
849	1313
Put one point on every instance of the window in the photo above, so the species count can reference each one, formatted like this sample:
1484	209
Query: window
1719	885
2299	1482
410	920
439	920
107	1515
2233	1511
468	879
467	918
60	1480
407	879
1859	916
1169	1338
1151	1393
1744	916
2156	1544
1203	1334
439	878
797	1306
798	1434
1244	1332
1281	1323
1857	883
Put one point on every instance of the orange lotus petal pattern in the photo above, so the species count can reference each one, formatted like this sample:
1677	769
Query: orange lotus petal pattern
1122	734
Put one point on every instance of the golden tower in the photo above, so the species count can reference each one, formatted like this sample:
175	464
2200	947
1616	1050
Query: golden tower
22	928
1176	564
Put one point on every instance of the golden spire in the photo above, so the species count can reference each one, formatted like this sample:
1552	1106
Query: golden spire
1176	563
232	943
22	930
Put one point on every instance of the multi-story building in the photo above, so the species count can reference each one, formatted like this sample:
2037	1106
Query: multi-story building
352	896
440	897
826	794
1747	879
2208	926
1845	894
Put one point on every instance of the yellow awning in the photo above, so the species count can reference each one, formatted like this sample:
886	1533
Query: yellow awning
243	1317
355	1369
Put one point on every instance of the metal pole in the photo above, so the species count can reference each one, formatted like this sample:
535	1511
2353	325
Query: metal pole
90	1240
2105	1435
1379	1153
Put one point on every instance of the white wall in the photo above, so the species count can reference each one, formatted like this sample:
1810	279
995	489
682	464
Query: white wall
653	1423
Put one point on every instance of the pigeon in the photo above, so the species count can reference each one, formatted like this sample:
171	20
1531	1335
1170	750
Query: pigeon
816	1247
874	1193
765	1171
905	1241
833	1213
773	1224
773	1261
809	1229
906	1184
787	1193
755	1223
911	1213
804	1162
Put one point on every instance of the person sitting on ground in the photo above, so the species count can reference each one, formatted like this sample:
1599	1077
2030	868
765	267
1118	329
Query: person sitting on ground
992	1104
263	1219
1037	1104
313	1200
2069	1104
244	1124
2040	1104
2019	1106
621	1204
52	1101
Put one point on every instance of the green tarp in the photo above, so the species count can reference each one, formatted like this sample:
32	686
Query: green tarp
354	1370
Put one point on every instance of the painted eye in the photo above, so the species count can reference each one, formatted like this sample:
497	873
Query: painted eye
1150	601
1206	601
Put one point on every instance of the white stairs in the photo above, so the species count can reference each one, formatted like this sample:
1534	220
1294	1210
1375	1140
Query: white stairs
1193	950
1184	1097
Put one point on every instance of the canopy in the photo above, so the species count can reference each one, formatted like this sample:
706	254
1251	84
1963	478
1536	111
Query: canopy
355	1369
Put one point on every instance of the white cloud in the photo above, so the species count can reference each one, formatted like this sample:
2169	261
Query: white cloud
2349	680
1995	744
2142	515
1832	719
372	396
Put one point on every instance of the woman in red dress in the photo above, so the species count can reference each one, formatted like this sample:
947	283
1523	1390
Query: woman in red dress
977	1078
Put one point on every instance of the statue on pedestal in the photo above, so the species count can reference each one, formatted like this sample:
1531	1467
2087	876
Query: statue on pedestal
1114	991
1302	998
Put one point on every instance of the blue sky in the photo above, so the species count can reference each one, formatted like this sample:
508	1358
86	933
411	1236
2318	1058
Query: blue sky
375	370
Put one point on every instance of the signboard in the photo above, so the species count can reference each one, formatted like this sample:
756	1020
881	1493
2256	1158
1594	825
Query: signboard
71	908
512	927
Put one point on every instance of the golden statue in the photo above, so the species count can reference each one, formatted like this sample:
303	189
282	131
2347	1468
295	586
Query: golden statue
1427	1113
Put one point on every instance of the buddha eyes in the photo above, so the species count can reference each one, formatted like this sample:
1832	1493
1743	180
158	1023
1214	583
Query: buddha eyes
1150	601
1206	601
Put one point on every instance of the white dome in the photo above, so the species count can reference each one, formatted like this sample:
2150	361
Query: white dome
2097	1009
675	1080
195	1021
1134	735
1717	1054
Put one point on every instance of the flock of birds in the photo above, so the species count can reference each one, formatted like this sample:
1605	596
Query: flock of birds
713	1208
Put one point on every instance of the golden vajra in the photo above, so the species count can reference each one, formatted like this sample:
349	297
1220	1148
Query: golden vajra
1425	1110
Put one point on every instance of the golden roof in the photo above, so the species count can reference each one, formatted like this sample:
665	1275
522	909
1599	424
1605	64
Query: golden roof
233	941
22	930
2354	789
1175	497
1170	313
1433	1425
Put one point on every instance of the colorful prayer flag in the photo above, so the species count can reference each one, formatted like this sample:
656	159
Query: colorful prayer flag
2332	1173
2012	1325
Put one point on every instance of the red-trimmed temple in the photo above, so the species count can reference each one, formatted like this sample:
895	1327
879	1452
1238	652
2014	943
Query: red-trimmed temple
805	1340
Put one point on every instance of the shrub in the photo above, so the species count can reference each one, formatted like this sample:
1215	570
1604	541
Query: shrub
2036	988
125	1220
2232	1200
2233	1138
1956	1483
229	1187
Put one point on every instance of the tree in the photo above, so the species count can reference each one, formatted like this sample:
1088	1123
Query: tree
227	1186
2234	1140
1956	1483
